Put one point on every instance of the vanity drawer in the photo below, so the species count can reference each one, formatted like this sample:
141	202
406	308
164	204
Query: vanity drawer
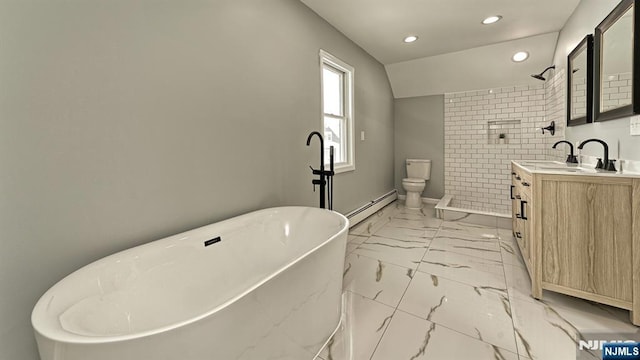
521	180
525	182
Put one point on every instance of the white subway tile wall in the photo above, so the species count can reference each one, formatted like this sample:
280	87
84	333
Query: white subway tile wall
579	97
556	110
477	165
616	90
503	131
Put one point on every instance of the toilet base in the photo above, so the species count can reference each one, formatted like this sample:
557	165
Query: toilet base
413	202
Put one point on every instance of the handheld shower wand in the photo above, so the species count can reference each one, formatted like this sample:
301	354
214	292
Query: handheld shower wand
330	178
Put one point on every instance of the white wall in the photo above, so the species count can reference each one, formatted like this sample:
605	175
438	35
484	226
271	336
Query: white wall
419	134
583	21
125	121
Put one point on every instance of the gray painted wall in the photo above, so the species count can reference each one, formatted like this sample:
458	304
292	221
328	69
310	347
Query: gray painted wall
125	121
583	21
419	133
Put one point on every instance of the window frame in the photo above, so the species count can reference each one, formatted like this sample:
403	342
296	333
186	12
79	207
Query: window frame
347	102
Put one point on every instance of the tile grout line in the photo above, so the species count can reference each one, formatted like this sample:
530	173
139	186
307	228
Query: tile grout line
392	315
457	331
369	235
438	232
497	238
504	271
404	293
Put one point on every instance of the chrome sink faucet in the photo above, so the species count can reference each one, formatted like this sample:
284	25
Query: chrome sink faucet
608	165
571	158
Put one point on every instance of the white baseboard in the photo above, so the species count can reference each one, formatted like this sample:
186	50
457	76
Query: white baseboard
424	199
371	208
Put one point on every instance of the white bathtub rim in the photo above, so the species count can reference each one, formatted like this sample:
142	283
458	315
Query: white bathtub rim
64	336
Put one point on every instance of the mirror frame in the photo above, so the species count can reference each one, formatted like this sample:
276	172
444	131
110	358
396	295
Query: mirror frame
610	20
586	45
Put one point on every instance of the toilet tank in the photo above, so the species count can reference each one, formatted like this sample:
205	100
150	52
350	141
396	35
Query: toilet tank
419	168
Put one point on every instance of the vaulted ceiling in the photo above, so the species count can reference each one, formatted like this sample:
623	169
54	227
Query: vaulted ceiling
455	51
443	26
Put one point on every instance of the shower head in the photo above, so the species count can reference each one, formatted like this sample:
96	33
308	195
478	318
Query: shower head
539	76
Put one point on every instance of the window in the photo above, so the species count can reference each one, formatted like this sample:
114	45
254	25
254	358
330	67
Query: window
337	111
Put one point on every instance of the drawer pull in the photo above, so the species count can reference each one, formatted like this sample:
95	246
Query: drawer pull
522	214
511	192
518	235
524	183
518	177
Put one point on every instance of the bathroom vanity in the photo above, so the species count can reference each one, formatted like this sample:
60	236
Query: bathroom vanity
578	231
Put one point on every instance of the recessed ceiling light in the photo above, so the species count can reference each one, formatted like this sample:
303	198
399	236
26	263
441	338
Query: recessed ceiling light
491	19
520	56
410	39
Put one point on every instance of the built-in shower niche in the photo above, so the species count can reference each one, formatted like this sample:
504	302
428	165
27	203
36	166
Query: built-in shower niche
500	132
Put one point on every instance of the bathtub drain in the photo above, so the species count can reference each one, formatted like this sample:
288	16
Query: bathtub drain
212	241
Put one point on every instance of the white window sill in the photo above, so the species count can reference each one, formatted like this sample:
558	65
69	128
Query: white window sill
342	168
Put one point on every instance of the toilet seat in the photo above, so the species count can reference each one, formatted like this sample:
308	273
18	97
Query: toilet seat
414	180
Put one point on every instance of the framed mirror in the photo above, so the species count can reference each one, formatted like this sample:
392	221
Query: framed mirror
616	92
580	83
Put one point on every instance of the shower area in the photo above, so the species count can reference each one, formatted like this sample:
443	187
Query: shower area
484	130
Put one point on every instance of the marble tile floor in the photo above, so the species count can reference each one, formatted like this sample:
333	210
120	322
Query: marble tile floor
417	287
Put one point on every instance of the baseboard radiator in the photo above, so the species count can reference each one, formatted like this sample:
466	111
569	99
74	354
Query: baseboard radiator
371	207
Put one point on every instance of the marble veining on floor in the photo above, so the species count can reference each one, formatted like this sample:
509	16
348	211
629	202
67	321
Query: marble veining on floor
417	287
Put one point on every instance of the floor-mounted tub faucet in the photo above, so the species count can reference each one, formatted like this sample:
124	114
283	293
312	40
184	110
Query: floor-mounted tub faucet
322	173
571	158
608	165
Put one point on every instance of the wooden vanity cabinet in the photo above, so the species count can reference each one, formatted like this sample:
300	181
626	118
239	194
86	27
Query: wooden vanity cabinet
521	211
581	235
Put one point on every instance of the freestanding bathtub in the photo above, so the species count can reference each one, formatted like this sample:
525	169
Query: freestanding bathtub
264	285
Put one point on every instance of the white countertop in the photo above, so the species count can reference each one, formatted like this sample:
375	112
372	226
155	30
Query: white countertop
561	168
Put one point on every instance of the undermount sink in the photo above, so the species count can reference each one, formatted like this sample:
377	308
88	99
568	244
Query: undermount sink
567	168
556	166
563	166
545	163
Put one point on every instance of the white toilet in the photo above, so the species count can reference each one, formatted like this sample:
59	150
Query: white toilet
418	172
